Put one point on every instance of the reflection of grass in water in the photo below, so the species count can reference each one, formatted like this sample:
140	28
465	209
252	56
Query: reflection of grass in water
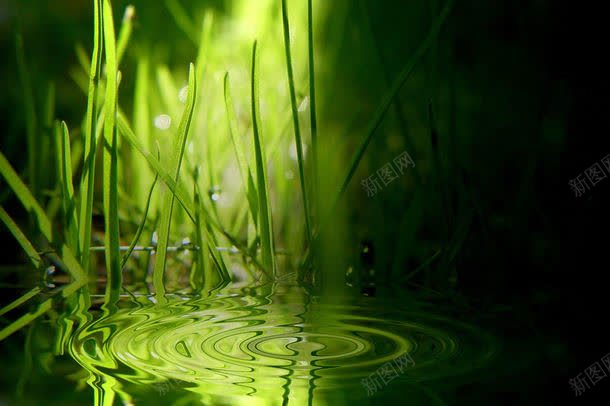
245	348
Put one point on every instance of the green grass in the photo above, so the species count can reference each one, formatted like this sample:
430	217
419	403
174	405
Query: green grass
234	117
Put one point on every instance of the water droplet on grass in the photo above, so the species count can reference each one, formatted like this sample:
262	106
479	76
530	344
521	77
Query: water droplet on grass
163	122
183	94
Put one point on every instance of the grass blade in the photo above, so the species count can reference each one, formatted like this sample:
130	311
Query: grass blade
240	154
42	309
67	189
140	229
30	116
312	108
111	157
125	33
265	220
88	175
295	118
166	214
21	300
21	239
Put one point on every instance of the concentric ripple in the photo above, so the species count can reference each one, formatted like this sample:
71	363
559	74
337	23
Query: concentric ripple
242	346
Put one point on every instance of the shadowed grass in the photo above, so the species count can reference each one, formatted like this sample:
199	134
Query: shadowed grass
380	113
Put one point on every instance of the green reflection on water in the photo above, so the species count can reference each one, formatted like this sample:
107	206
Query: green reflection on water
283	348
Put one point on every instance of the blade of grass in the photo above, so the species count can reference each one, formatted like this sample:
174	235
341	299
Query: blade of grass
21	300
166	214
125	32
182	19
111	156
67	189
21	239
265	219
295	119
42	309
140	229
204	42
88	174
199	271
30	116
312	110
240	154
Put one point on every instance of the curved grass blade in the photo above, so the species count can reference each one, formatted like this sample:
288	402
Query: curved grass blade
111	157
88	175
166	213
265	220
21	239
295	118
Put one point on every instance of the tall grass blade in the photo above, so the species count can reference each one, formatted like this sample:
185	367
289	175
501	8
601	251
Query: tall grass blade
88	174
265	220
295	119
166	213
111	158
27	246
